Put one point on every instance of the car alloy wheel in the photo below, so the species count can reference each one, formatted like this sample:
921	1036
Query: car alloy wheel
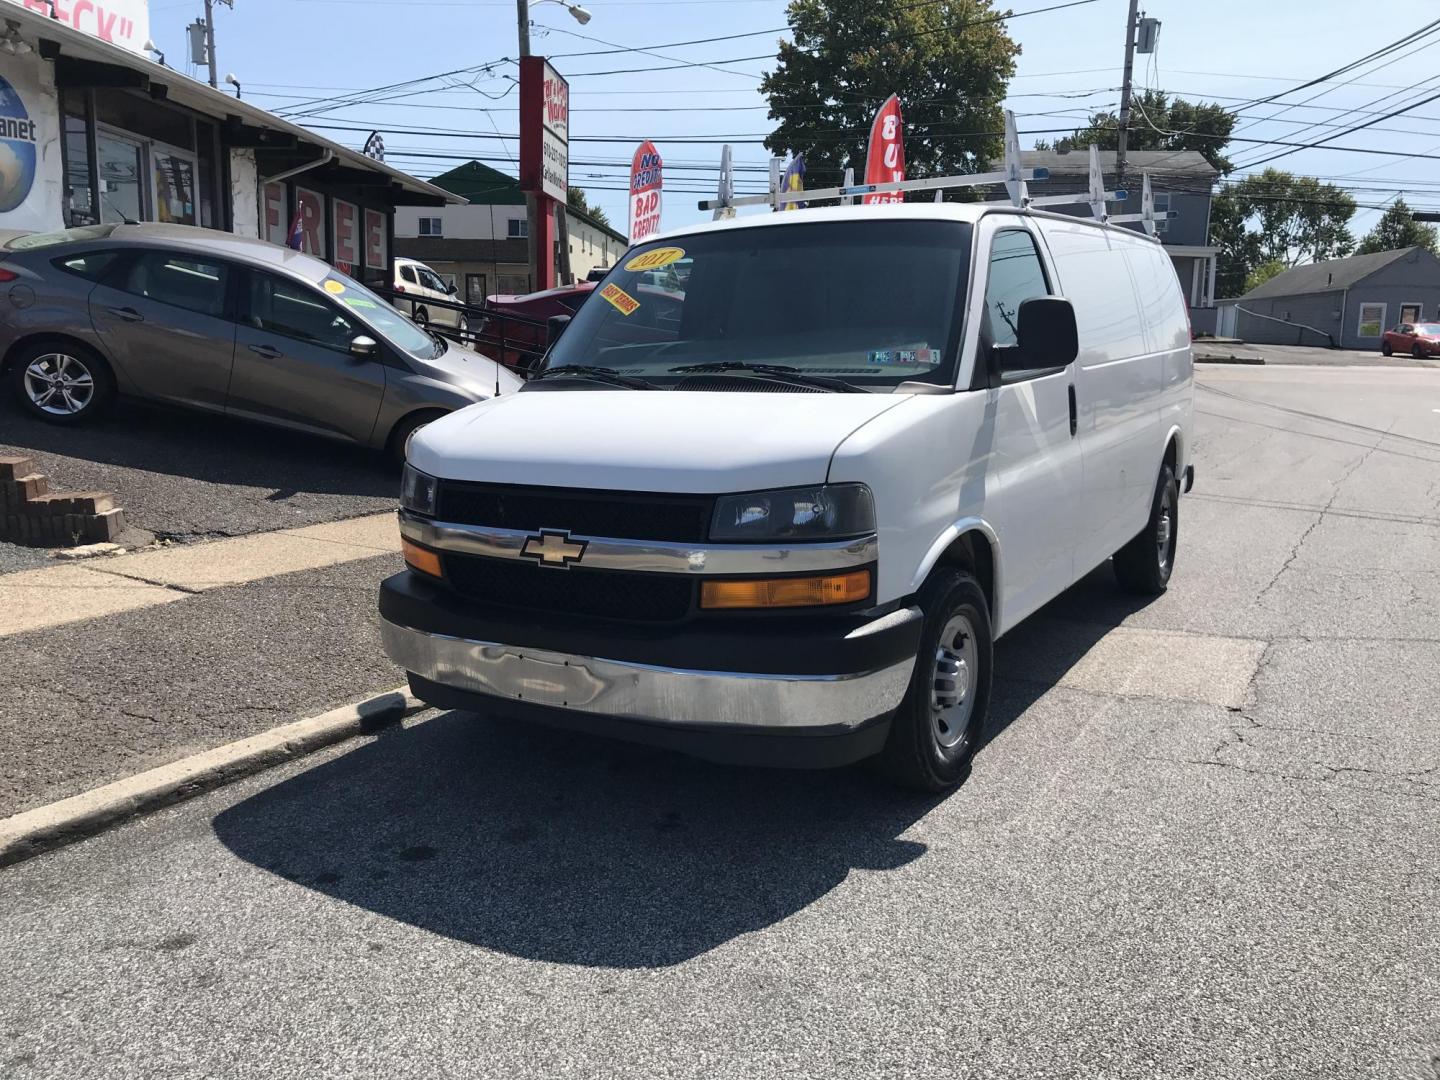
59	384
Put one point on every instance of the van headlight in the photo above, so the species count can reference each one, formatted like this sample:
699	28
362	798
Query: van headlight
417	491
822	512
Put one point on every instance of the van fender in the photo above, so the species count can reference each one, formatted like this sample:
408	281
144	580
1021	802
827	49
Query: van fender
942	544
1176	434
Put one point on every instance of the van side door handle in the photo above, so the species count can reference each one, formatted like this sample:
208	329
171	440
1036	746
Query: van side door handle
129	314
1074	419
269	352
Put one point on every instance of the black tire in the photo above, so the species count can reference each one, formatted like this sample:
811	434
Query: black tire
1144	565
81	367
917	754
421	318
400	434
1385	349
1417	352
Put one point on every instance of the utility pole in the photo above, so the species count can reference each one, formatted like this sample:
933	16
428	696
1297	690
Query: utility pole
522	17
1130	22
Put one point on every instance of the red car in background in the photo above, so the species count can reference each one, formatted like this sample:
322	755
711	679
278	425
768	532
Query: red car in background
1418	339
518	343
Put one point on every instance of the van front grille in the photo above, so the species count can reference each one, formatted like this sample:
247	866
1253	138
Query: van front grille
625	515
605	594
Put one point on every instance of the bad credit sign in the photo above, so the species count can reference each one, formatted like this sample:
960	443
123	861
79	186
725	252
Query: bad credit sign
544	129
646	182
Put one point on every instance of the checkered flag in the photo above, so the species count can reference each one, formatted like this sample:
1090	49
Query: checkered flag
375	146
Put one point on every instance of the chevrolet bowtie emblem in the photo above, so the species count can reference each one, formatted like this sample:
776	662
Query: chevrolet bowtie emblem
553	548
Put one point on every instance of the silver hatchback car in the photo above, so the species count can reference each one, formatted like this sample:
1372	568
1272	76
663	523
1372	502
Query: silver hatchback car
225	323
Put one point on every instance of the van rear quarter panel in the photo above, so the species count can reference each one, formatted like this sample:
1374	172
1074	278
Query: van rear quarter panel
1131	370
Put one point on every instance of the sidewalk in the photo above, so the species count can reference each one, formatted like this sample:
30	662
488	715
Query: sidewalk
119	664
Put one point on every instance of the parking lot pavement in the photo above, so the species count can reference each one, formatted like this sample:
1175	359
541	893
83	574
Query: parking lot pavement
1150	873
1314	356
187	476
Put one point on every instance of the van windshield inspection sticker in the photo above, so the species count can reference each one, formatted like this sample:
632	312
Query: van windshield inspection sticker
906	357
619	299
654	260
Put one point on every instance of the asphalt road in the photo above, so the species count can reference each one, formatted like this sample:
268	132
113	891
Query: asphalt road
1200	841
1314	356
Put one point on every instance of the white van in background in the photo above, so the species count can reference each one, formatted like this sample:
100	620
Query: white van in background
419	283
783	517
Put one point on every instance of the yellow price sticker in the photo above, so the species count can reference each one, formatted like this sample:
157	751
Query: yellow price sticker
619	299
654	260
334	288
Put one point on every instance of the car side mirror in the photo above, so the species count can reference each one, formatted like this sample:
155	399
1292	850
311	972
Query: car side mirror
364	347
1046	333
554	327
451	289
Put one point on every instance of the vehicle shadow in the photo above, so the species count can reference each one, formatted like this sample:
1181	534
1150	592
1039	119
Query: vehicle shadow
573	849
211	448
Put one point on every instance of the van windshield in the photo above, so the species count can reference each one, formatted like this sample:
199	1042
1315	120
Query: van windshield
869	302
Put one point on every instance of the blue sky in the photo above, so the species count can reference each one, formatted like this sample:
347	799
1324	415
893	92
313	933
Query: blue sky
289	52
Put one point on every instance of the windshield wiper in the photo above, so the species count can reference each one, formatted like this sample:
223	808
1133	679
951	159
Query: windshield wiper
777	371
594	374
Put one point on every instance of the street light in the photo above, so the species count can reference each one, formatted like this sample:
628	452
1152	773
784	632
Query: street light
151	47
230	78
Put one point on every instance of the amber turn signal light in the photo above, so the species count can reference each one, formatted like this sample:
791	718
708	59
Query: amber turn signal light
419	558
787	592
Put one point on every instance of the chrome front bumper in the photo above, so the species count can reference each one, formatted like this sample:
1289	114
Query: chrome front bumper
588	684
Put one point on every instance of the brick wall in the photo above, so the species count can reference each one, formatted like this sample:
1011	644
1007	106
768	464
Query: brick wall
31	514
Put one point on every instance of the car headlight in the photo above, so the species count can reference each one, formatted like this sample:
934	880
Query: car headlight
417	491
822	512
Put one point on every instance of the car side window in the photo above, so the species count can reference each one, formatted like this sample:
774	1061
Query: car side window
407	273
90	264
1016	275
432	281
184	281
1406	328
295	310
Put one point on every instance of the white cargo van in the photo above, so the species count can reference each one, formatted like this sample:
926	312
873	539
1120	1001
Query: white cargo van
782	515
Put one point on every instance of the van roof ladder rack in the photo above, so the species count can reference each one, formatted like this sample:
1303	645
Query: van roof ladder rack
1014	177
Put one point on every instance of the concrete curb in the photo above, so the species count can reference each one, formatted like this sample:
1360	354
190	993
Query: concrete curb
46	827
1218	358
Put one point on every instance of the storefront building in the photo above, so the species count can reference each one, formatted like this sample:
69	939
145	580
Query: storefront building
93	130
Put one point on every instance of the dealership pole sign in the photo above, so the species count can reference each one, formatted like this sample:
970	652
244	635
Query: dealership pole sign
122	22
646	182
544	129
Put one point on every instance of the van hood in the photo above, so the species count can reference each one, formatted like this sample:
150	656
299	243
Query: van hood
646	440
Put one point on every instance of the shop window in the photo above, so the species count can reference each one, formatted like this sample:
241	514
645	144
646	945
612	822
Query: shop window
174	189
121	178
193	284
297	311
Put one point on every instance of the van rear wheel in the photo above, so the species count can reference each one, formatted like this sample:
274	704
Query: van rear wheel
1144	565
936	730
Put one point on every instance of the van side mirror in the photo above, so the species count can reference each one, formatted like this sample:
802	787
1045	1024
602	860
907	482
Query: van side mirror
364	347
1046	333
554	327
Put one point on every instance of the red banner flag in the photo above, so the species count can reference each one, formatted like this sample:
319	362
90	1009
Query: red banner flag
885	162
646	183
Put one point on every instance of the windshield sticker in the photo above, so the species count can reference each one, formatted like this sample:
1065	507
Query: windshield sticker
334	288
359	301
619	299
654	260
904	357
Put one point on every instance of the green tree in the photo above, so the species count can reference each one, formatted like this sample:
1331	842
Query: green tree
576	199
949	68
1276	216
1157	123
1263	273
1397	229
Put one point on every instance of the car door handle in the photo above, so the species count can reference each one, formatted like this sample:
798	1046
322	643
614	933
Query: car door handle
129	314
269	352
1074	419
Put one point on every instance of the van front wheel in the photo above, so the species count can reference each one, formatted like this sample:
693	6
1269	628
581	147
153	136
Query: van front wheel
936	731
1144	565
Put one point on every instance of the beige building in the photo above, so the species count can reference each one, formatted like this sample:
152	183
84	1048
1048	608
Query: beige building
482	247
